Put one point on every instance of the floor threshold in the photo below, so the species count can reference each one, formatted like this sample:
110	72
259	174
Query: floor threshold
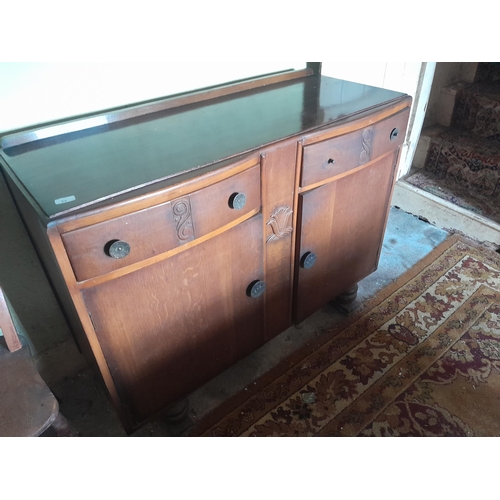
445	214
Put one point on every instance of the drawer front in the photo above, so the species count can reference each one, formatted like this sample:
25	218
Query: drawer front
340	154
119	242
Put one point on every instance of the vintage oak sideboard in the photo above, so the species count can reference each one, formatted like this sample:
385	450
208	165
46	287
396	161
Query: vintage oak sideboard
182	234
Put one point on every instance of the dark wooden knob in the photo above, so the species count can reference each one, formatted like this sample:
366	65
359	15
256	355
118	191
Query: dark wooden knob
237	201
394	134
117	249
308	260
256	289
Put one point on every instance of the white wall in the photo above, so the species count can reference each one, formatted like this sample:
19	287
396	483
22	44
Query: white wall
35	93
412	78
399	76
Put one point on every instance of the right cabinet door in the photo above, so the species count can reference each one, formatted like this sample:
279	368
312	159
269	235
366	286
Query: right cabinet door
341	227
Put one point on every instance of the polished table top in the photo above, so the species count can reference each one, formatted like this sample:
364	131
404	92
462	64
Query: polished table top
64	171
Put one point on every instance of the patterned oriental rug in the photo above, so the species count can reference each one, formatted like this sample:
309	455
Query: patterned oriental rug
422	358
463	161
477	109
464	170
455	192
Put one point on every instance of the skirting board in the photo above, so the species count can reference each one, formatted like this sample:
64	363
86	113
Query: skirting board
444	214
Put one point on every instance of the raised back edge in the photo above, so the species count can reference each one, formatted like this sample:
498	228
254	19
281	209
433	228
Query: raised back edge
124	113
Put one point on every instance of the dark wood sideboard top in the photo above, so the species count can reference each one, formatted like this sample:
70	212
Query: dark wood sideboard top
67	171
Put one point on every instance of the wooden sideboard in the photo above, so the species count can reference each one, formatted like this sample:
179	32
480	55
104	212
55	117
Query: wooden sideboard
180	235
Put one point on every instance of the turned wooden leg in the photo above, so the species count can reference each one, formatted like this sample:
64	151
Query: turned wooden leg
345	301
62	427
178	419
349	296
176	412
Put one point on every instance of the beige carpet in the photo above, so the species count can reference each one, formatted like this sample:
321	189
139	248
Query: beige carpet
420	359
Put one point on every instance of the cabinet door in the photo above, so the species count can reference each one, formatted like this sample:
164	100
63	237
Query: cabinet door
168	328
342	225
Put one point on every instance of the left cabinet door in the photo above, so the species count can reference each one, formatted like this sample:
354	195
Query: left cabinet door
170	327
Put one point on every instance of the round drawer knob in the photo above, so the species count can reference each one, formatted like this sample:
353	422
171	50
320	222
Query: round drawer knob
394	134
256	289
331	161
117	249
237	201
308	260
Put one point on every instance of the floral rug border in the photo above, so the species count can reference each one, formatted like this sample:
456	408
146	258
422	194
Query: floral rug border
399	378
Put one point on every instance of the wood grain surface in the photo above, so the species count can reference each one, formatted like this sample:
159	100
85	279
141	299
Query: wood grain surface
175	309
83	167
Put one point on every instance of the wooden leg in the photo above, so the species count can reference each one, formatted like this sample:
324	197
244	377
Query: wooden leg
177	411
177	418
345	301
62	427
349	296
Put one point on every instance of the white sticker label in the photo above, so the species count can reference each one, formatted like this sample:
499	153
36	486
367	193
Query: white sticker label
60	201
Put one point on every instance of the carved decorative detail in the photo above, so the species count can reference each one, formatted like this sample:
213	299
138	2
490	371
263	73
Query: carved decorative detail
280	223
366	145
183	221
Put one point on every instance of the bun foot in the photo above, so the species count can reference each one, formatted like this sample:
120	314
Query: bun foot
345	302
177	418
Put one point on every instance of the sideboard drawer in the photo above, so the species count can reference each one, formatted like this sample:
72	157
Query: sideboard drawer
340	154
119	242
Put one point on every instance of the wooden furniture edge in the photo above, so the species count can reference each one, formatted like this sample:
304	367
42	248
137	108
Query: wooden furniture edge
86	322
296	218
314	134
6	171
157	197
352	123
146	107
397	158
7	325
